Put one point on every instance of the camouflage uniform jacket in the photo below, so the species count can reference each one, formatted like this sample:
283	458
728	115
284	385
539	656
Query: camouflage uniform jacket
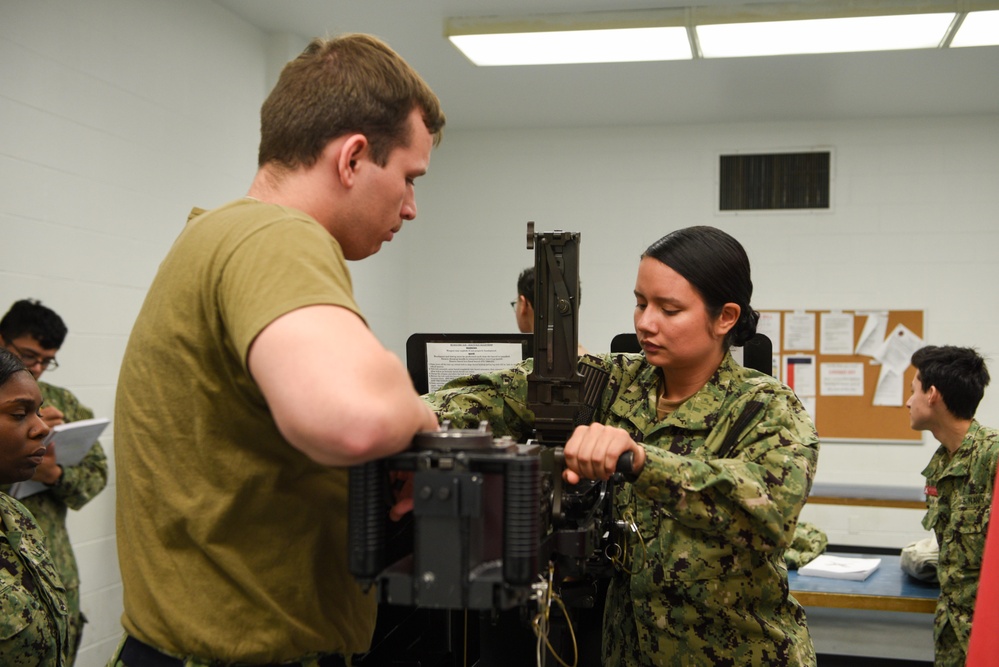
715	506
958	497
77	486
33	620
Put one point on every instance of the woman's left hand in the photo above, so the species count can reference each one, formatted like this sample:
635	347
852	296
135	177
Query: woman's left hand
592	452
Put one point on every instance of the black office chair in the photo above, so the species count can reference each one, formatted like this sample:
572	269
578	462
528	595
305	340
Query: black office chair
757	353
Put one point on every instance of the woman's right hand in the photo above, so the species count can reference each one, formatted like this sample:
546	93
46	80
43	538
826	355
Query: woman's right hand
592	452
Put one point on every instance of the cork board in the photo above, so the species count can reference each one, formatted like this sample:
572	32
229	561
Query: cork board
856	417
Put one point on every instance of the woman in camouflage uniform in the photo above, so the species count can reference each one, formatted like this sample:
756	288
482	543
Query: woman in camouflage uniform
33	608
724	458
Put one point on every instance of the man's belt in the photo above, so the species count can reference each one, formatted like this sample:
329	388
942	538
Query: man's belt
139	654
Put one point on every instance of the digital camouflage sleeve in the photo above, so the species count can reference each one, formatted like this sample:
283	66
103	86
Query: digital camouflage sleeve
33	607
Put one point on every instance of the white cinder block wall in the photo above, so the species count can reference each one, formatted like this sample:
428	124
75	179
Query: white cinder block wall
118	116
115	118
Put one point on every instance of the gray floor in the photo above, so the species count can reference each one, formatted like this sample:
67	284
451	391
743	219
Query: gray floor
859	632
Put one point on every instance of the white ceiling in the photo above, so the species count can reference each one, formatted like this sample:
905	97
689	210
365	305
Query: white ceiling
786	88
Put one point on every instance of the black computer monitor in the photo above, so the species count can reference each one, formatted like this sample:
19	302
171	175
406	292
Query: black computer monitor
435	358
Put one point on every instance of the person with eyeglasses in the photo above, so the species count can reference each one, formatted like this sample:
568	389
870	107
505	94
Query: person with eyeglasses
34	334
523	307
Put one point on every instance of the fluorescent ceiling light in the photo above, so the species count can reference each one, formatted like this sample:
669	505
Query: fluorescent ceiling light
978	29
575	46
869	33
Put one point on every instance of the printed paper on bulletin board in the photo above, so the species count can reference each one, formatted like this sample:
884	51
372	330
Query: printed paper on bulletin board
851	417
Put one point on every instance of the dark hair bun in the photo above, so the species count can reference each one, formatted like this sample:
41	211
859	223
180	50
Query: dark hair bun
745	328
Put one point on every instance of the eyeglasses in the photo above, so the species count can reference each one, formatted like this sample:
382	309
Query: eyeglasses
513	304
29	358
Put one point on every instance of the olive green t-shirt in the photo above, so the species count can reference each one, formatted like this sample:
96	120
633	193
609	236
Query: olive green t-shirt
232	543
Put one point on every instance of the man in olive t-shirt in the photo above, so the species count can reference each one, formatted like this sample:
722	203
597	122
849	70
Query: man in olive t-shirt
250	380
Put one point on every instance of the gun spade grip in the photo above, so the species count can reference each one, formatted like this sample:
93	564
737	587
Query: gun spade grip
626	463
366	515
522	488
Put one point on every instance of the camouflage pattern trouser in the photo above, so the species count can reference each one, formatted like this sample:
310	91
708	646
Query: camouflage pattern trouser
948	649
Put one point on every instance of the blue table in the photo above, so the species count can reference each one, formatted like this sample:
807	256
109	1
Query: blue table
887	589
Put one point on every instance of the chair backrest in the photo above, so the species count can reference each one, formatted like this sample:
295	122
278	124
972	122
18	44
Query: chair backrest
625	342
757	353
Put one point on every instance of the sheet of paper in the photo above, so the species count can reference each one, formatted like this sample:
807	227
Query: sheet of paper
873	333
836	333
799	332
769	326
897	348
889	391
799	373
840	567
841	379
447	361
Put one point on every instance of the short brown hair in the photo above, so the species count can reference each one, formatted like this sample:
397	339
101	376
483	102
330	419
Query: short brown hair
353	83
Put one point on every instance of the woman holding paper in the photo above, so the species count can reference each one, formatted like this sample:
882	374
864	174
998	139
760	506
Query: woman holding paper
724	458
33	608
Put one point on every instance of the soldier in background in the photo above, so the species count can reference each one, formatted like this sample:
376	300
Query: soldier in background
948	386
34	334
523	307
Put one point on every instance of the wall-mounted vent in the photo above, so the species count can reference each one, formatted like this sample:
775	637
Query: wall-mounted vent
774	181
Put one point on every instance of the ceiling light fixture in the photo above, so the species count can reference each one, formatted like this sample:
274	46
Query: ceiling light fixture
978	29
725	31
575	46
837	35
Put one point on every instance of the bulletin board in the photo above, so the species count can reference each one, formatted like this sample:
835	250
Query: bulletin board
857	417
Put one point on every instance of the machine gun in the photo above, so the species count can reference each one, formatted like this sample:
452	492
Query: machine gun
495	525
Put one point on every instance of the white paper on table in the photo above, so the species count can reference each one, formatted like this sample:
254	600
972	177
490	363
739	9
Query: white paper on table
840	567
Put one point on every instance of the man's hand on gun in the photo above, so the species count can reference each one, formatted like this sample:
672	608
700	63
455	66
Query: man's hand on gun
593	451
402	494
402	482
